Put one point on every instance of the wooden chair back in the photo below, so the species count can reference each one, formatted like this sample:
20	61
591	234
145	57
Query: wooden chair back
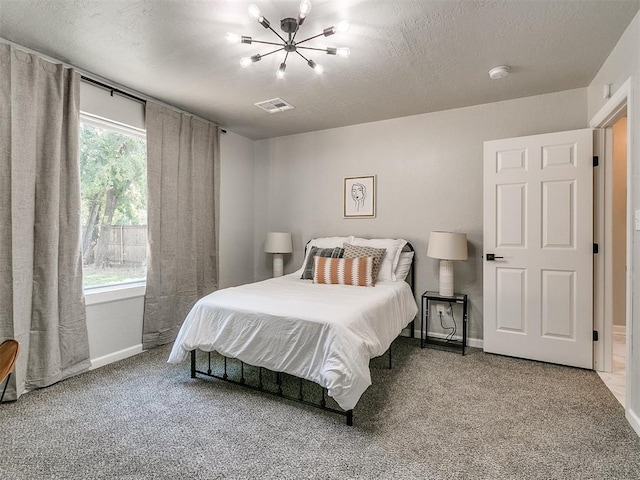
8	355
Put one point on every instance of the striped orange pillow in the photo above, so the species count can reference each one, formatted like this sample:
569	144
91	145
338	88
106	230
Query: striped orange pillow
344	271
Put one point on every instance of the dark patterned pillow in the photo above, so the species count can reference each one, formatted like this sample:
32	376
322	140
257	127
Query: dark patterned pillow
336	252
353	251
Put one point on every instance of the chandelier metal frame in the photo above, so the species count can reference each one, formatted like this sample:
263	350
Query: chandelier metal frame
291	27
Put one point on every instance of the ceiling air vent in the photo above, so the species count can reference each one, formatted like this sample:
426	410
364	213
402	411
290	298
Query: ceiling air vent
274	105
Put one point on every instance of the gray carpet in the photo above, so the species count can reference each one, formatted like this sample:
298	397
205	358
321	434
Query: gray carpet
436	415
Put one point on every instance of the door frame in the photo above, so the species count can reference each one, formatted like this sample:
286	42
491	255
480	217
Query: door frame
603	263
606	116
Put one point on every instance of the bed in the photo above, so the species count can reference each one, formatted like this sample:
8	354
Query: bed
323	333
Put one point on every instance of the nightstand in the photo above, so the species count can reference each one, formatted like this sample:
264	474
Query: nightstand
441	343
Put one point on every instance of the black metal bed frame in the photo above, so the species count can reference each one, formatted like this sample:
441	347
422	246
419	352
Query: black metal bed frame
322	405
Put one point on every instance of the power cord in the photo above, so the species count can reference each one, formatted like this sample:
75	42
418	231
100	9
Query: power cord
453	329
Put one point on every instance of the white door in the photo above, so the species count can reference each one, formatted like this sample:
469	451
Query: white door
538	222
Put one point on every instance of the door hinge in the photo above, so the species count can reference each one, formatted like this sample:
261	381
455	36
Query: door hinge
596	248
595	335
596	161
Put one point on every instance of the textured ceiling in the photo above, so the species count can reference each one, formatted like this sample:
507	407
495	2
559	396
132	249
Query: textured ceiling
407	56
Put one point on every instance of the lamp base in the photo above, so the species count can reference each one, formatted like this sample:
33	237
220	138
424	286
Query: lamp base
278	265
446	278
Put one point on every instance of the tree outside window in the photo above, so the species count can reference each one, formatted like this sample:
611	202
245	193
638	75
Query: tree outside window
113	169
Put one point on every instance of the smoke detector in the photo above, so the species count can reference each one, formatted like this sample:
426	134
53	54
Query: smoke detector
498	72
274	105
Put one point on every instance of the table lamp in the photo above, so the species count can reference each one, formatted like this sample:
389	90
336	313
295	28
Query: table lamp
278	243
447	246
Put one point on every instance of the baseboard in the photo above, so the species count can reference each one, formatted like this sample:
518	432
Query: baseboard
115	356
471	342
634	421
619	329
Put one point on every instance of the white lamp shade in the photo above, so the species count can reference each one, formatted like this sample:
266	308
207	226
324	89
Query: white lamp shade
448	246
278	242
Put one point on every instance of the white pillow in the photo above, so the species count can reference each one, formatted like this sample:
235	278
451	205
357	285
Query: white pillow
404	265
325	242
391	257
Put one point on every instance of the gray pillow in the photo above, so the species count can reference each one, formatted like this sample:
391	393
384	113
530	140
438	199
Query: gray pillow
354	251
336	252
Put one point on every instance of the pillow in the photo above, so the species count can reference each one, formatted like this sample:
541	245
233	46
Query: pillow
344	271
404	265
390	260
354	251
336	252
324	242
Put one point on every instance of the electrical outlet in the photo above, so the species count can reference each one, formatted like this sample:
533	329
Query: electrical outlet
441	309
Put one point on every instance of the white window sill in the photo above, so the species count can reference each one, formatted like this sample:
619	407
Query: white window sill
114	293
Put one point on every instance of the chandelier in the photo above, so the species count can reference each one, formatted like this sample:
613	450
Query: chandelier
289	26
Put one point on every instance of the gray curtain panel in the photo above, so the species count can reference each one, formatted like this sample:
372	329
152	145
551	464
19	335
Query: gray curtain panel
41	295
183	174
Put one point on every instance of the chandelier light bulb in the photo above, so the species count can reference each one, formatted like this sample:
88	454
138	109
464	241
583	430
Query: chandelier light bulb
319	69
305	8
254	11
342	27
245	62
343	52
232	37
280	72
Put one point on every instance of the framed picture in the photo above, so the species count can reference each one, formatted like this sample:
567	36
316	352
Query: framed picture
360	197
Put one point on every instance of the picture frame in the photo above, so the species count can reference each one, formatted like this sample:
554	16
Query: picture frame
359	197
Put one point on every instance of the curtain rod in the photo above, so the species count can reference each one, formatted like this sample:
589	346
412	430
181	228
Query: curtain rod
126	94
112	89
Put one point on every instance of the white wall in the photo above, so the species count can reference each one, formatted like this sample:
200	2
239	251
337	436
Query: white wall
236	210
623	63
114	327
429	177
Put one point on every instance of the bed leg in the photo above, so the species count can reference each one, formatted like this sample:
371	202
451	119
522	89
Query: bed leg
209	359
193	364
389	357
349	418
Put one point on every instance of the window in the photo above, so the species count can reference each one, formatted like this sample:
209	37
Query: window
113	188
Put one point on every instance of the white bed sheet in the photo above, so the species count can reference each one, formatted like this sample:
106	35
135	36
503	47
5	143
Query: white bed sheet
323	333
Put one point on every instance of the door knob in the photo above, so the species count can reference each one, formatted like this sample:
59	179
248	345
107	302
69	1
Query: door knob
491	257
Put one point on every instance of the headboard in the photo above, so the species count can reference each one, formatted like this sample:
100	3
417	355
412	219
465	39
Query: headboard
410	278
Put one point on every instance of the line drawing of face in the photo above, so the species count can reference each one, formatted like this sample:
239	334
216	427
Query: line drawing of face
358	194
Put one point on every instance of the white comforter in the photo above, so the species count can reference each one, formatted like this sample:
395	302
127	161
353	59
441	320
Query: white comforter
324	333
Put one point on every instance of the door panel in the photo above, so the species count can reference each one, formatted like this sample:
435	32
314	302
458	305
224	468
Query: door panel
538	216
512	312
512	215
558	304
558	219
